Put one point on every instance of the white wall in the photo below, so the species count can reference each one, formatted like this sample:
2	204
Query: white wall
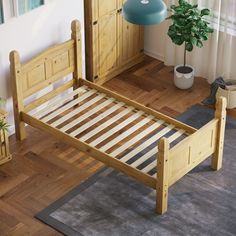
33	32
154	40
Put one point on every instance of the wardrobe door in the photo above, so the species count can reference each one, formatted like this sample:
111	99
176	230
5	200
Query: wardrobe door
132	40
101	38
105	42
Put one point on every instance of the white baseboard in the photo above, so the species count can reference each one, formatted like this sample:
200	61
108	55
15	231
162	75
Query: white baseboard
157	56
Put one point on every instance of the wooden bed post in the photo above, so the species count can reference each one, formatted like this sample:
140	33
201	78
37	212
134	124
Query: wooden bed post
162	176
76	36
220	114
18	106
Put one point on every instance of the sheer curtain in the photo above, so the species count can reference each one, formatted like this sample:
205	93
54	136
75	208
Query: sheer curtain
218	56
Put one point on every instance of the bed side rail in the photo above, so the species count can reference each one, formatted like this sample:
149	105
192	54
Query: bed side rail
139	106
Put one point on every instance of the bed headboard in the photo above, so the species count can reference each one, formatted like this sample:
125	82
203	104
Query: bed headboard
43	70
48	67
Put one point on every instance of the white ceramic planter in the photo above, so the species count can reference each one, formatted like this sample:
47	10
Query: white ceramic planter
183	81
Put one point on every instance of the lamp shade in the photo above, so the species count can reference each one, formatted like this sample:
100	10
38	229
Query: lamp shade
144	12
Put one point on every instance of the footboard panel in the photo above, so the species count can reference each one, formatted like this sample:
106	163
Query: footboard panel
192	151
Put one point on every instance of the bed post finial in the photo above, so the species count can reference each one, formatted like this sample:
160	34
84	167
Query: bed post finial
162	176
17	93
75	26
220	114
76	36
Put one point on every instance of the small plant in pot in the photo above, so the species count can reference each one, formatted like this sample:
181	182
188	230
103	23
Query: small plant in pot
190	28
3	125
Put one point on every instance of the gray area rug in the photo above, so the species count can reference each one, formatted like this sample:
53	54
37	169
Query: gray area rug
110	203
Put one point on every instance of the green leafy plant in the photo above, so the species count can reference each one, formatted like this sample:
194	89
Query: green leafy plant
189	26
3	125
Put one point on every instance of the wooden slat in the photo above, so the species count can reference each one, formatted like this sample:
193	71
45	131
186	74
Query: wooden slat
111	121
97	119
172	138
139	106
126	133
147	143
87	114
68	106
78	110
40	101
117	128
154	150
144	158
91	151
137	138
58	102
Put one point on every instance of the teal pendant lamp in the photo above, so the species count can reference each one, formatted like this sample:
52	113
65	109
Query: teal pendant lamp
144	12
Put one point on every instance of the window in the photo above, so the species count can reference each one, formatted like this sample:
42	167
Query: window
24	6
1	13
224	14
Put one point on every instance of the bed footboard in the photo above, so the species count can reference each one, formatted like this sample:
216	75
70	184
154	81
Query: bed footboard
174	163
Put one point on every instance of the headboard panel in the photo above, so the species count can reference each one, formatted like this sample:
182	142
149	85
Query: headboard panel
50	66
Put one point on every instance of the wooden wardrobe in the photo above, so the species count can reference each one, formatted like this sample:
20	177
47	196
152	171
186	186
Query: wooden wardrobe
112	44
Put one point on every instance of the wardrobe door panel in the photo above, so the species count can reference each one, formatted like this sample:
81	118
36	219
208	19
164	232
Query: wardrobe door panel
132	40
112	44
106	7
107	48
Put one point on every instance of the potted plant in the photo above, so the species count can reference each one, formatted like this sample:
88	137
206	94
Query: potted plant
3	124
5	155
189	27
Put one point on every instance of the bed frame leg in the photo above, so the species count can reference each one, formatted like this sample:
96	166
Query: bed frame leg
17	94
220	114
162	176
76	36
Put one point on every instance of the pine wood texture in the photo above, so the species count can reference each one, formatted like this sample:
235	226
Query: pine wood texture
64	113
112	44
44	169
162	183
5	155
220	114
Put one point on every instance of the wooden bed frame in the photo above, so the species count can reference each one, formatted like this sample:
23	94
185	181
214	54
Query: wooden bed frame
108	126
